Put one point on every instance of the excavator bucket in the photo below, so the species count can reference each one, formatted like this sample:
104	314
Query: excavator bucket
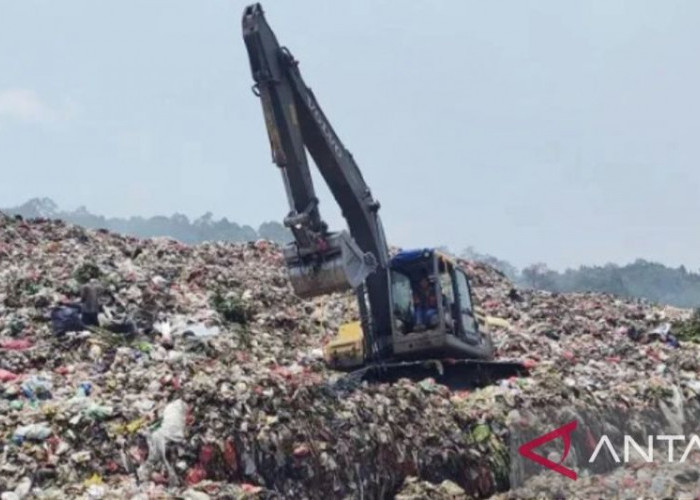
342	266
459	374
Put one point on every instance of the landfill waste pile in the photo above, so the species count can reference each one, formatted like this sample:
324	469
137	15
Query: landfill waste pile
689	329
217	389
637	480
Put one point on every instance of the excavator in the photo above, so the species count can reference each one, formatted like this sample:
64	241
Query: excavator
396	336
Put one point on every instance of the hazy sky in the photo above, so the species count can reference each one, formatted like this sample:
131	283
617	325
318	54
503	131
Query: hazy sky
558	131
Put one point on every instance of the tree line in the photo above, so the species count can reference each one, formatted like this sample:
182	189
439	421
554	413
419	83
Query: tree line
640	279
177	226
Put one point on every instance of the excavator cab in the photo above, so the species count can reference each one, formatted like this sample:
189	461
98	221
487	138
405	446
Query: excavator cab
433	308
437	332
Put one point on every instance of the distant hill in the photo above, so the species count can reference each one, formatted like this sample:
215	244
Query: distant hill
177	226
640	279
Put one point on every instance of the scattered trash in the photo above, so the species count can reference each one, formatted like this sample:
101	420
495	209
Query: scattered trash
66	319
36	388
7	376
32	432
172	430
16	344
201	330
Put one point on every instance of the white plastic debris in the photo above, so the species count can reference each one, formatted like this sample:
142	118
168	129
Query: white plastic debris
172	430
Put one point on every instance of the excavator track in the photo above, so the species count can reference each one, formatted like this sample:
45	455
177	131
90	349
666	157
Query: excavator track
456	374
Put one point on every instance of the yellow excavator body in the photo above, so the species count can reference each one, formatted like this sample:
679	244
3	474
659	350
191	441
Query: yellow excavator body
346	350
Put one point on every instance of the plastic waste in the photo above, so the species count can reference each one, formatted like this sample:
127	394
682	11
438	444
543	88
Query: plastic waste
98	412
172	430
201	330
36	388
7	376
66	319
32	432
166	333
16	344
84	389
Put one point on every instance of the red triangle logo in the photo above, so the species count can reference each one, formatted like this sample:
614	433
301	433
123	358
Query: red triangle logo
563	432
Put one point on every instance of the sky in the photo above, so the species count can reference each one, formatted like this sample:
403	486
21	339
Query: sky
553	131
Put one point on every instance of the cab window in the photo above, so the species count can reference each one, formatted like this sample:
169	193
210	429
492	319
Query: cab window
449	299
463	290
402	296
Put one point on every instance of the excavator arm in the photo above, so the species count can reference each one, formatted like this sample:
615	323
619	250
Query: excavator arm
319	261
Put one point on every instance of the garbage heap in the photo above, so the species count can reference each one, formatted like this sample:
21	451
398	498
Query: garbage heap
221	390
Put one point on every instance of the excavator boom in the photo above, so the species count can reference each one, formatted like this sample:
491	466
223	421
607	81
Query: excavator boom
319	261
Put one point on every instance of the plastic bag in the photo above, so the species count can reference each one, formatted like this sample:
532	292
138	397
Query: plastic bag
171	430
66	319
